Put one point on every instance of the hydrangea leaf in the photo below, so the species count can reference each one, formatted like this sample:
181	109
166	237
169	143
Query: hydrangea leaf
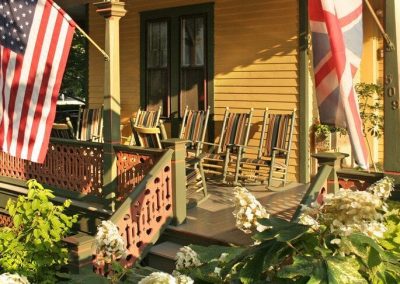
343	270
214	252
302	266
281	230
252	270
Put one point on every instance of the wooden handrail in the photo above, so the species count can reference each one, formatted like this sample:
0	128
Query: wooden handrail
316	186
147	209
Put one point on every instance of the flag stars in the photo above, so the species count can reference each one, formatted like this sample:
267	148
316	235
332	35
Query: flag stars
15	19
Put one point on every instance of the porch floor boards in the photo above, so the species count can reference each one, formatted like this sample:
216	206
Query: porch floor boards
213	219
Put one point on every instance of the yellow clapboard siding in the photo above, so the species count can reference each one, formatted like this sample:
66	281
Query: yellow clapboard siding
257	90
256	82
279	66
271	105
259	75
243	97
255	56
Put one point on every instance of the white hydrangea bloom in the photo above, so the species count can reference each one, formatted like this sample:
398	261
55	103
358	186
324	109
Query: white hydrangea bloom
347	212
247	210
109	242
309	221
182	278
158	278
8	278
186	258
217	270
382	188
223	257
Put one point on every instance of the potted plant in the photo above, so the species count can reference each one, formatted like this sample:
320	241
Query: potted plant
322	136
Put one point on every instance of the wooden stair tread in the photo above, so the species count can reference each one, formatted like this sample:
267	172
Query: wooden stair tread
166	249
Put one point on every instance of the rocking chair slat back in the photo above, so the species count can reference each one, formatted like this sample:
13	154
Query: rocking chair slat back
236	129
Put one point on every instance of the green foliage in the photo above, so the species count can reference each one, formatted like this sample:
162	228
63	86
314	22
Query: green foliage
391	239
323	130
289	252
119	275
370	99
32	247
75	78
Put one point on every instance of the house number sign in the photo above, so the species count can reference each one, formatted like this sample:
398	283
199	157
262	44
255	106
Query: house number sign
391	91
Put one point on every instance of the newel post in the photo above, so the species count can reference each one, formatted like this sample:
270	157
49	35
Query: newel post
178	179
334	160
112	11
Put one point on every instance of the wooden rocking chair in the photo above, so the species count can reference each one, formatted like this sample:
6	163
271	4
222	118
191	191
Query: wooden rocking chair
193	129
272	161
90	125
63	130
235	131
144	118
195	179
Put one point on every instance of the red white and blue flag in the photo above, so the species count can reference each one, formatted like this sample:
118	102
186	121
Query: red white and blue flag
35	39
337	40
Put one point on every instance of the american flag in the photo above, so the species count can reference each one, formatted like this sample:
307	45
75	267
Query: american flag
337	39
35	39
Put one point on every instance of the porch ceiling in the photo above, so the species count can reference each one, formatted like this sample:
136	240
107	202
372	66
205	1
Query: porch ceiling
74	8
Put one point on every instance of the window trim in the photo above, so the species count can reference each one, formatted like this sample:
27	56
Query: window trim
174	15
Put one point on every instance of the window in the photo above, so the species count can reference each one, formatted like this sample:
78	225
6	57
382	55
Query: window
157	65
177	59
193	73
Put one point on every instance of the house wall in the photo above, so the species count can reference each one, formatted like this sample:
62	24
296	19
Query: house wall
372	68
256	59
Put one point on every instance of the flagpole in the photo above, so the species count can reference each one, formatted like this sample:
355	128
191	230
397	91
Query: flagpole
106	56
382	30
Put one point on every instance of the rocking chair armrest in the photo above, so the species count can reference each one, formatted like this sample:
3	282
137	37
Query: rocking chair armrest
209	143
241	147
279	150
195	160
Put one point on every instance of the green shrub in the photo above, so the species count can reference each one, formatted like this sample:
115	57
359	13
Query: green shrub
33	247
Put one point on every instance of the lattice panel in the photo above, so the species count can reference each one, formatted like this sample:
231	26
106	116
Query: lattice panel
147	214
353	184
5	220
132	168
70	167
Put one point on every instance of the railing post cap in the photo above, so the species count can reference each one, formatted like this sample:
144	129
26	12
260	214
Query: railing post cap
330	155
173	141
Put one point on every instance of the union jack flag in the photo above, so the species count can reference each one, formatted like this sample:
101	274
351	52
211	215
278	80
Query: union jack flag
35	38
337	39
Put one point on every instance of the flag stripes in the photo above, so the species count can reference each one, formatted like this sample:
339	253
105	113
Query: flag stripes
337	41
30	81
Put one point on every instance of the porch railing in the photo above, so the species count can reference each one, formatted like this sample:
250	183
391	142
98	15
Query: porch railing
147	209
146	190
70	165
75	168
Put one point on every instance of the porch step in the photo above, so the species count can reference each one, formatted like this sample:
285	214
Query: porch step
173	234
162	256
